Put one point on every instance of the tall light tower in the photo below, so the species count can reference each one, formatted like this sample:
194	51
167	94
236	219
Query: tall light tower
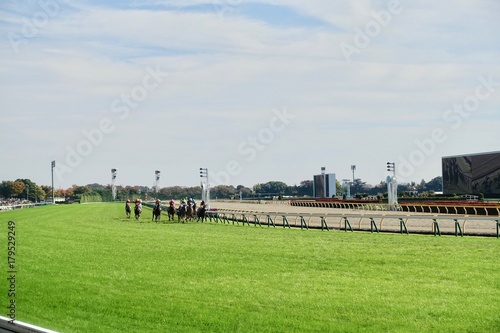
353	168
205	186
323	174
113	187
157	180
392	186
53	165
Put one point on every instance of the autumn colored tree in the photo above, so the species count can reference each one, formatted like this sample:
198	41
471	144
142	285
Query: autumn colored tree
16	188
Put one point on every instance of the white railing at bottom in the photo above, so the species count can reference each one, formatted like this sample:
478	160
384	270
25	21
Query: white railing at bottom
22	206
8	325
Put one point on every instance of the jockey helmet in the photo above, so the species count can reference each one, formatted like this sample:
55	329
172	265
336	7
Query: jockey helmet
128	200
157	200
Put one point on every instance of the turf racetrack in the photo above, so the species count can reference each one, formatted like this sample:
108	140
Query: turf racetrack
86	268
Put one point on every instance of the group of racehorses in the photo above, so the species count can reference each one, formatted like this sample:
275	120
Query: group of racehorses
185	212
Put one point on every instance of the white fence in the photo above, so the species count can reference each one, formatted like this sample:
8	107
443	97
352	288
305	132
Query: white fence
15	326
23	206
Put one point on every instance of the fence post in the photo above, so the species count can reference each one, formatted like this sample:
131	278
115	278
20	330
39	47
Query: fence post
373	225
244	219
323	223
459	228
435	227
498	228
270	219
285	221
303	223
346	223
402	226
256	220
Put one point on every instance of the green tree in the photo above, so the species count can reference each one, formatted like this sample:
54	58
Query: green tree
305	188
358	186
271	188
222	192
80	190
338	187
436	184
245	191
34	191
5	191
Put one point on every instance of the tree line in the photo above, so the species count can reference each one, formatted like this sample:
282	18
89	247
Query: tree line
27	189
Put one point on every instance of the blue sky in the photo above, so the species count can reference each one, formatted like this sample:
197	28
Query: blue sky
252	90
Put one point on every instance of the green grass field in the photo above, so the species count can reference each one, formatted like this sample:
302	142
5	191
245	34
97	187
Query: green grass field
86	268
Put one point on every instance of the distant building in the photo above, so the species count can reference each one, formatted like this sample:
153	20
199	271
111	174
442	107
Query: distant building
472	174
324	185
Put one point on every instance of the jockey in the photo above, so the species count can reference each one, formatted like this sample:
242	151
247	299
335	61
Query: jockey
183	202
171	202
203	204
158	204
128	210
138	203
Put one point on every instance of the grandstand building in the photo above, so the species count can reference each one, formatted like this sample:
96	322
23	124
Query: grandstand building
472	174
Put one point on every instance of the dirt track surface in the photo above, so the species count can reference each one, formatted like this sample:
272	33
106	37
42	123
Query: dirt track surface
360	219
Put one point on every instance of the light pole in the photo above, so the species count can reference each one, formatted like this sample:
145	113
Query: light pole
157	181
205	187
353	168
53	166
323	173
392	186
113	187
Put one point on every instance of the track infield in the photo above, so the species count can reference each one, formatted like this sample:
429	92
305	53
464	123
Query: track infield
86	268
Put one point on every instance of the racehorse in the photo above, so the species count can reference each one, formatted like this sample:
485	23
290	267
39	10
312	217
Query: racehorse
156	213
137	211
181	213
201	213
171	212
189	212
128	210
